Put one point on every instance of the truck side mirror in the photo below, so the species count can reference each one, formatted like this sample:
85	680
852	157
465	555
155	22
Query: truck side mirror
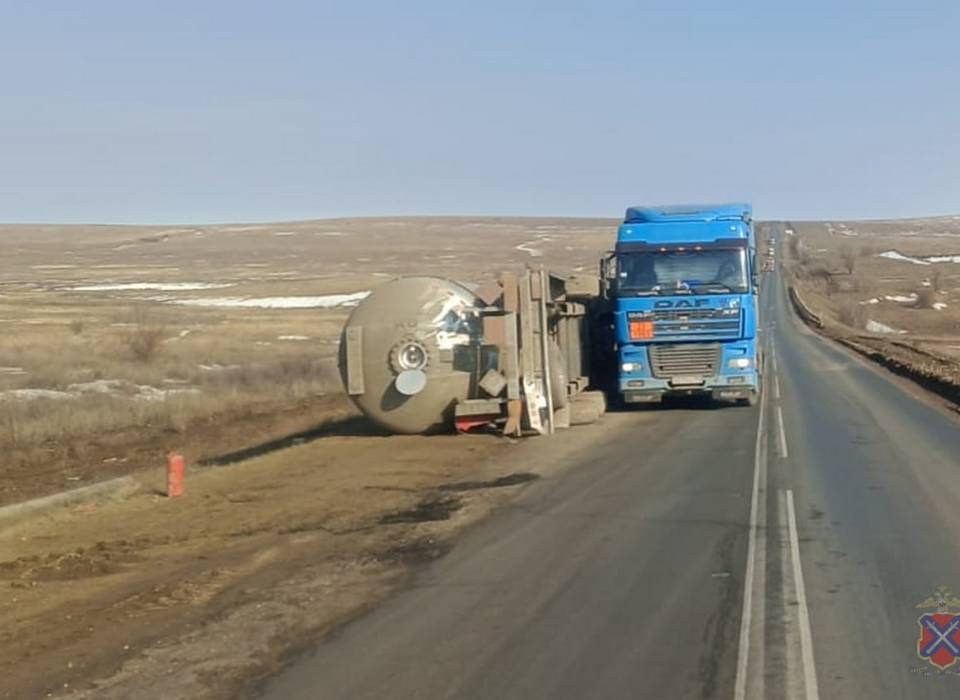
608	270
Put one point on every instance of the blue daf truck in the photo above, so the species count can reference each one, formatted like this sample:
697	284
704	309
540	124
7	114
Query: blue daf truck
683	283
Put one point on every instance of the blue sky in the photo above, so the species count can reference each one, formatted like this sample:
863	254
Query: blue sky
141	111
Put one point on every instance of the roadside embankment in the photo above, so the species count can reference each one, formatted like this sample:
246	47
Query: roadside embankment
912	356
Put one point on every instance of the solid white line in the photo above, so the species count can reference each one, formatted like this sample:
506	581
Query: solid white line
806	636
783	433
743	654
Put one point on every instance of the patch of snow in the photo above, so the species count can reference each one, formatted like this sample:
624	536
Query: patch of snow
902	298
31	394
52	267
874	300
151	393
99	386
12	370
106	387
943	258
877	327
180	336
329	301
153	286
939	306
215	367
894	255
284	233
293	337
532	252
330	233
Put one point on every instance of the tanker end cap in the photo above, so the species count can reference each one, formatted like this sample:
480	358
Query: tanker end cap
411	382
405	353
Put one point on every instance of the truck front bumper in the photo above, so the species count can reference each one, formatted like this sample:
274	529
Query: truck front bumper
741	385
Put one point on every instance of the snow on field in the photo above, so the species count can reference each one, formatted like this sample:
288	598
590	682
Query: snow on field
877	327
939	306
30	394
873	300
928	260
293	337
902	298
106	387
53	267
180	336
894	255
532	252
12	370
284	233
152	286
328	301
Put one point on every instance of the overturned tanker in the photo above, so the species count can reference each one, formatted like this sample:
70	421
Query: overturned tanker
427	354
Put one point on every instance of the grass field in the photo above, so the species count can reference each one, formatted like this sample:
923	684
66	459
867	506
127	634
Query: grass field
122	340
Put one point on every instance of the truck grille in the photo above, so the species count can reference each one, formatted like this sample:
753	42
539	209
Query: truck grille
684	359
696	323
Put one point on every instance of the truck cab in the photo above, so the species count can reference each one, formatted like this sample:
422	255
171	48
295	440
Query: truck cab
683	283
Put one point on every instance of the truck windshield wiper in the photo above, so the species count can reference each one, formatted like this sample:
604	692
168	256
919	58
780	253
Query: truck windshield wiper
712	286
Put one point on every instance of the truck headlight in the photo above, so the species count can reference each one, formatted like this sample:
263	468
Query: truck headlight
740	363
631	366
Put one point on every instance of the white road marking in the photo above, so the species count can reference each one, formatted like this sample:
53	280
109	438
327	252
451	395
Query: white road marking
806	636
782	434
746	621
776	386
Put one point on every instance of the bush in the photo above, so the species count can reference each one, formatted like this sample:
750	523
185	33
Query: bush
852	314
926	296
936	281
848	258
832	286
145	338
793	245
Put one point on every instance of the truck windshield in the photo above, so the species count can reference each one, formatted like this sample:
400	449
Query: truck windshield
713	271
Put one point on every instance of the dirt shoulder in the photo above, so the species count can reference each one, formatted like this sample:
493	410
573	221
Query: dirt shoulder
195	597
56	466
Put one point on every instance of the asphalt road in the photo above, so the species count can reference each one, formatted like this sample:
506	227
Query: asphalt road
776	551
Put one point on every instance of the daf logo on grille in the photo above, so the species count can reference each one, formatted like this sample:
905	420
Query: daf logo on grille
681	304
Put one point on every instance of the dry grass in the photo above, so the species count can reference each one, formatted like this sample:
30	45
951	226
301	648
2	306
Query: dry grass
169	365
919	301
